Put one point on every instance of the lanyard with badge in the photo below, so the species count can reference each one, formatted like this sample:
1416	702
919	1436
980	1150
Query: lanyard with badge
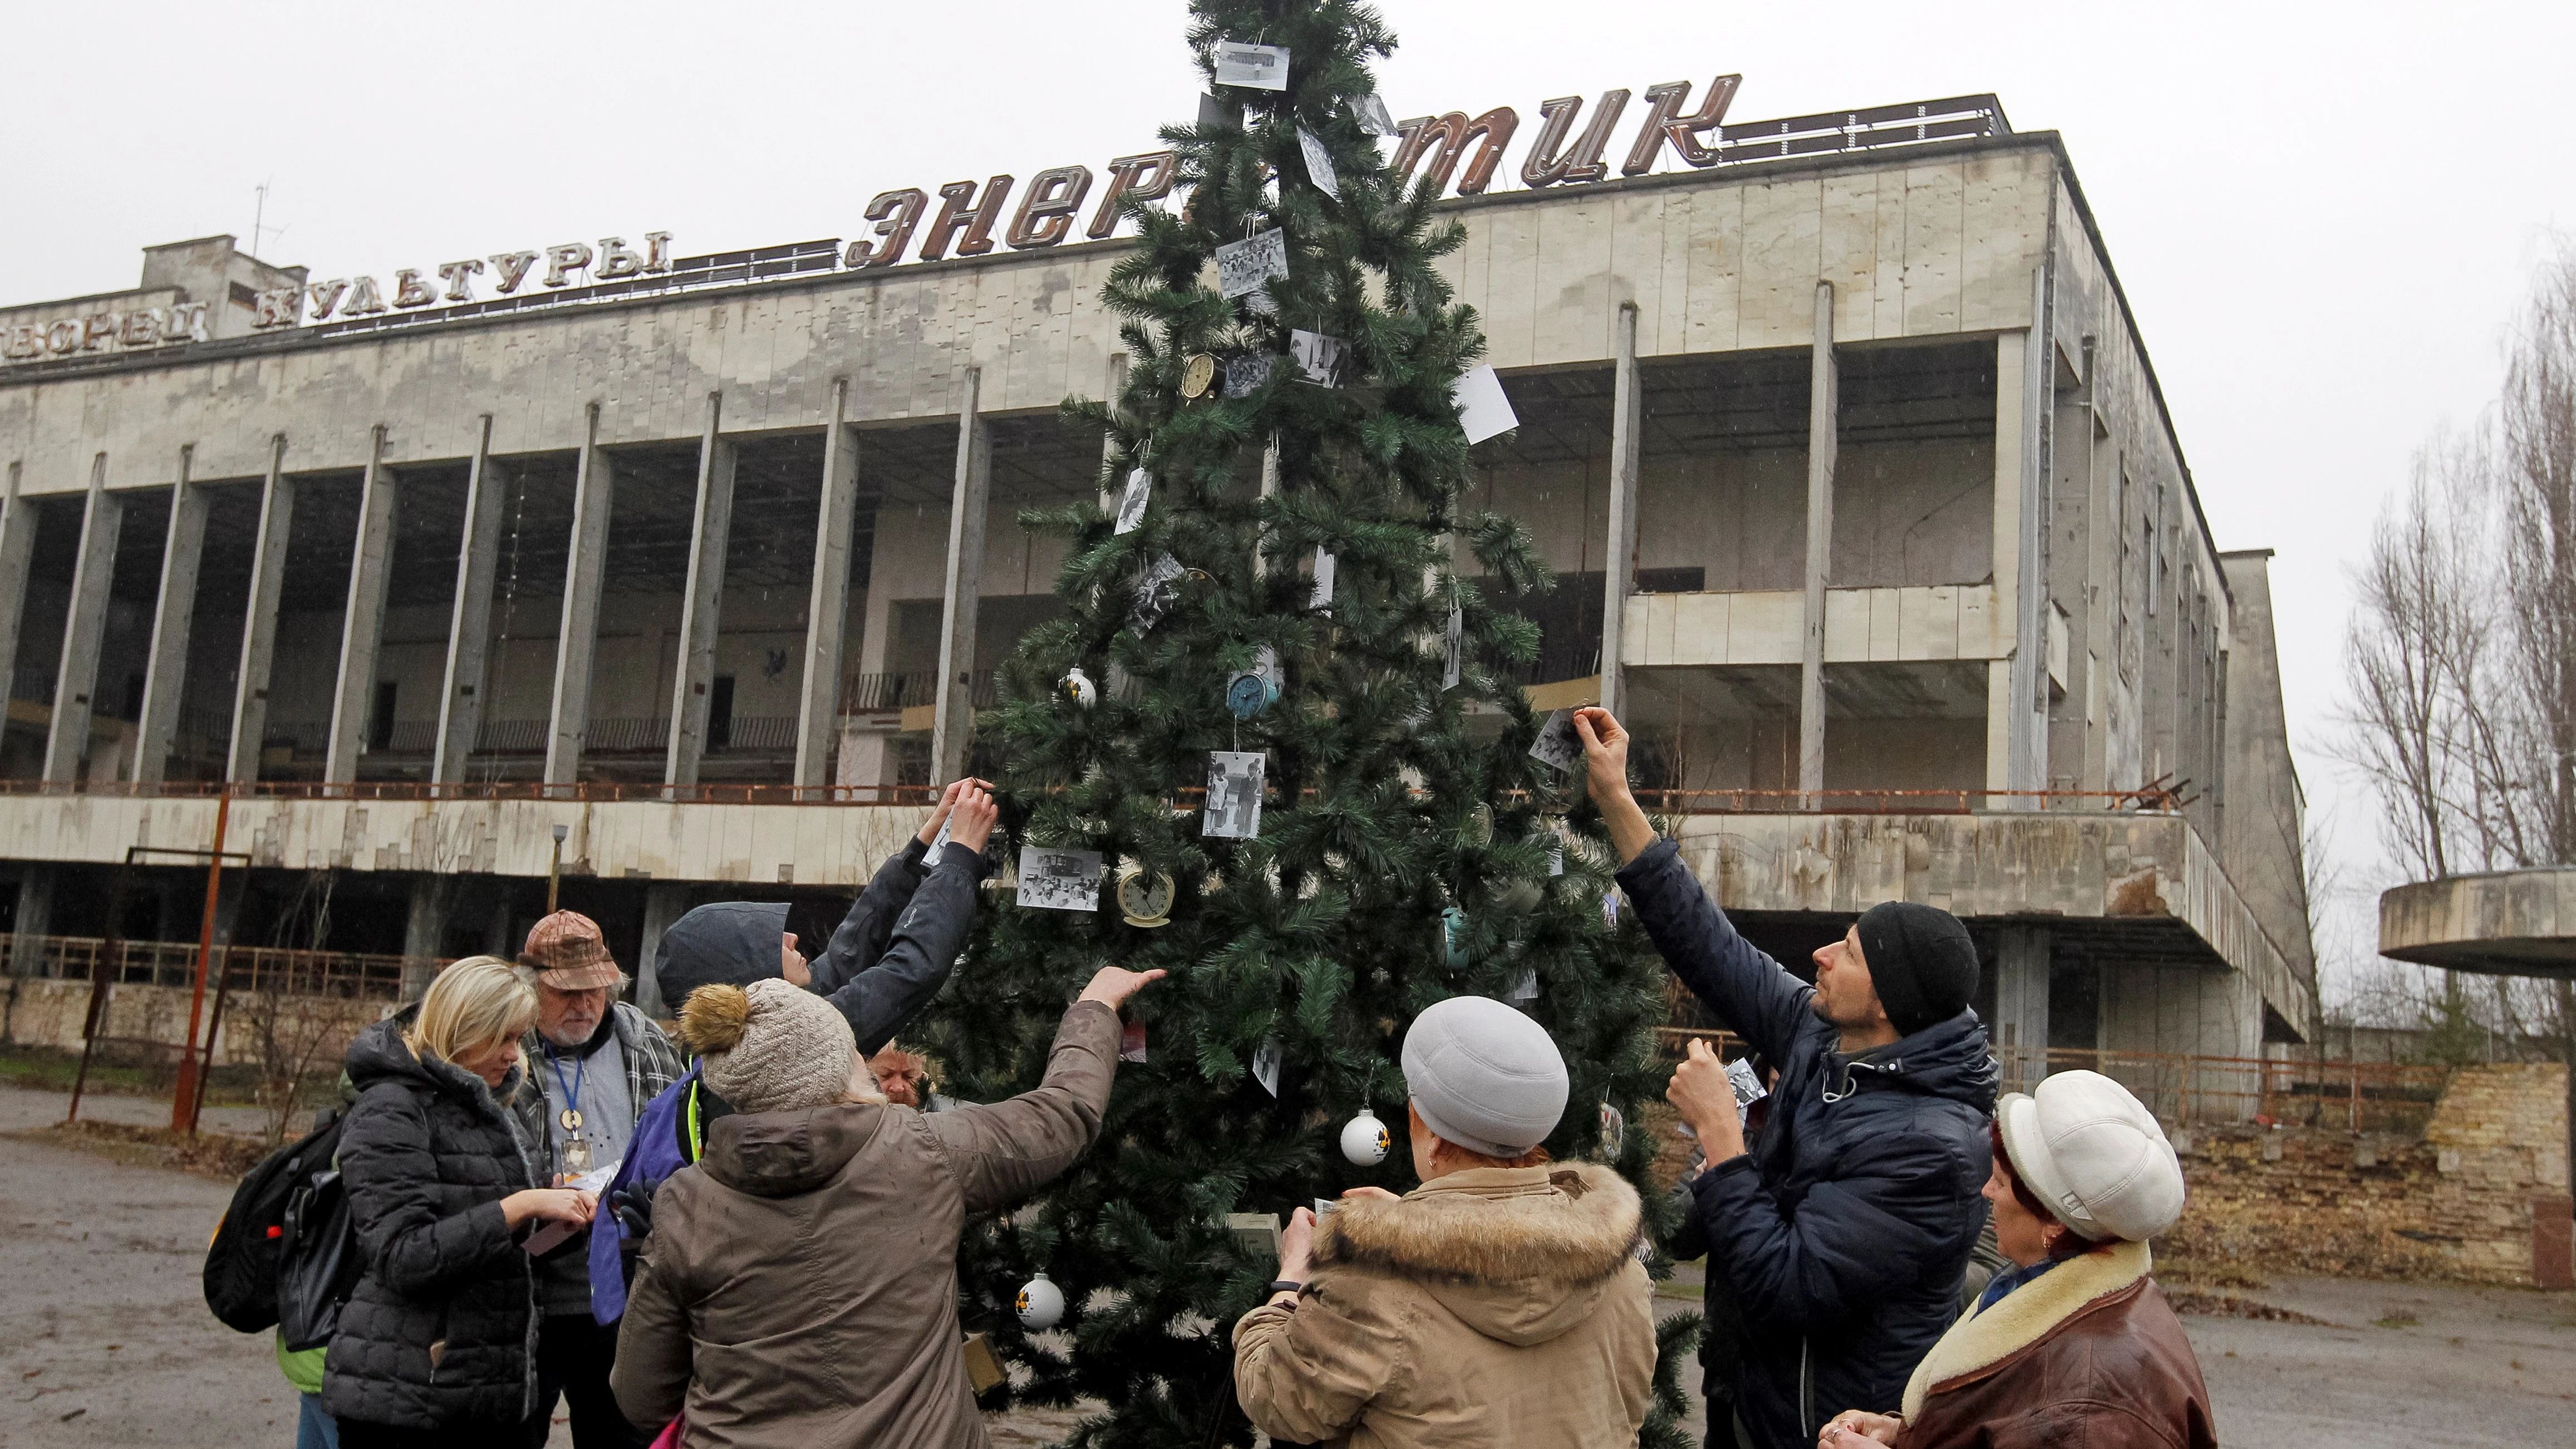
576	1148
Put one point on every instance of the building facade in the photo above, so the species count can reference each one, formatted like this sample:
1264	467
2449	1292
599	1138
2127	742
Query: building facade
1865	505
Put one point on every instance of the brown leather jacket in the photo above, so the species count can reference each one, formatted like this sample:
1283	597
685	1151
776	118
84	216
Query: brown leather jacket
2086	1356
800	1286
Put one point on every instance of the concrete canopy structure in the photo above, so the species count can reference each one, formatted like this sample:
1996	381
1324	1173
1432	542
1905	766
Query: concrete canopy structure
2508	923
1863	498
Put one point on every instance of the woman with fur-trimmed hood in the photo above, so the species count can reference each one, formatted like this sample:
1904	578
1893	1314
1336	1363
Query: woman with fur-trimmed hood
1500	1303
2072	1347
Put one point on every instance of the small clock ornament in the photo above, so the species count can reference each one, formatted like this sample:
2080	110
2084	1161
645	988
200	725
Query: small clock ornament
1364	1139
1253	690
1077	687
1144	897
1040	1304
1197	375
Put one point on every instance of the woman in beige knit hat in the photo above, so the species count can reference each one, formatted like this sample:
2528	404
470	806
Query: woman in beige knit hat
800	1288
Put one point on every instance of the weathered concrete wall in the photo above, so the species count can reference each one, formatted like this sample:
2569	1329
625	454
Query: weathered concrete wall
2456	1203
2518	921
317	1028
2263	824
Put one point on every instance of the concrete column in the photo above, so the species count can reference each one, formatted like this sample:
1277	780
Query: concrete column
362	625
2021	1006
425	931
174	614
469	627
259	617
1824	414
17	552
827	609
2024	535
35	918
953	713
85	630
577	640
711	528
663	904
1619	552
1112	484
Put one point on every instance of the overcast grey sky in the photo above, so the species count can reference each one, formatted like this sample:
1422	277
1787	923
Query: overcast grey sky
2323	215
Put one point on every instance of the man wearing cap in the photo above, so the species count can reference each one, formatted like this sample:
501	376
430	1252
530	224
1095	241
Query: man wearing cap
1500	1303
2074	1343
597	1061
1844	1228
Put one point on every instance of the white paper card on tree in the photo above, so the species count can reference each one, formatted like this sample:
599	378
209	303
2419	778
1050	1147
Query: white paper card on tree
1319	357
1557	744
1322	598
1255	1234
1059	880
1526	989
1156	593
1319	163
1262	67
1453	647
1242	267
1131	504
939	842
1265	1065
1234	794
1483	411
1373	115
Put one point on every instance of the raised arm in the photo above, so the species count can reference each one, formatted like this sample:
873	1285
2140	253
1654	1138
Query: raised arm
864	933
878	998
1006	1150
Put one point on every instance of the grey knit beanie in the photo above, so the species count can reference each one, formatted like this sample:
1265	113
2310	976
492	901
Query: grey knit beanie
769	1046
1484	1076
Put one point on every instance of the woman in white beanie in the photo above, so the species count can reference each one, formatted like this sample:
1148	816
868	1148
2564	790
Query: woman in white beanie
1500	1303
2072	1345
799	1290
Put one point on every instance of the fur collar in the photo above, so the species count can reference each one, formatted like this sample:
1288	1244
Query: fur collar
2025	1316
1556	1223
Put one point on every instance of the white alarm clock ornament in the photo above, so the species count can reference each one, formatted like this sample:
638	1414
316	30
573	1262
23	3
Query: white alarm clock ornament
1040	1304
1365	1140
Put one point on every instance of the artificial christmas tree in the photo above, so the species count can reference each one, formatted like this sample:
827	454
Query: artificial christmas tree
1282	504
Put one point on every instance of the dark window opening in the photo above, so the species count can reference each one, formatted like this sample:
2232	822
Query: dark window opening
380	724
720	713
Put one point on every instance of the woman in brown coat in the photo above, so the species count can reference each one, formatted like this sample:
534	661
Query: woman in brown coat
800	1285
2072	1347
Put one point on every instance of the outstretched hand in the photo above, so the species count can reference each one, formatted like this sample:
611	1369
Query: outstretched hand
1114	984
970	824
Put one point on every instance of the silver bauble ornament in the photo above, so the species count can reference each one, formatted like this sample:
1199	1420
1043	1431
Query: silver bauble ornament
1077	687
1040	1304
1365	1140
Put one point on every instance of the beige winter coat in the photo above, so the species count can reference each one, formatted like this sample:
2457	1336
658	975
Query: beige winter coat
800	1285
1501	1306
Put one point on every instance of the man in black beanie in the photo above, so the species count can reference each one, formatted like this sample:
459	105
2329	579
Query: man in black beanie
1841	1232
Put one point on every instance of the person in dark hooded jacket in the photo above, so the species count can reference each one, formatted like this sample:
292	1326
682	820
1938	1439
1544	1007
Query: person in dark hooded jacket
915	925
1843	1229
437	1344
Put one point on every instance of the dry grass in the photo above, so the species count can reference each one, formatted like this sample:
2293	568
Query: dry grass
216	1155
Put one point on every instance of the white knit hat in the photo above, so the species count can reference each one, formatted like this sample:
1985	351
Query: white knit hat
770	1046
1484	1076
2095	1155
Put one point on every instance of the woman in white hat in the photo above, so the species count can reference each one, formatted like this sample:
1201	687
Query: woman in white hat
2073	1344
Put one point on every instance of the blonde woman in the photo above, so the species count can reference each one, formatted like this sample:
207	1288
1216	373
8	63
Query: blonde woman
436	1345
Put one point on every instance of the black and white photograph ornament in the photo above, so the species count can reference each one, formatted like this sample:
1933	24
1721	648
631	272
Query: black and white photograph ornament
1557	744
1059	880
1321	597
1245	267
1156	593
1131	504
1234	794
1040	1304
1256	67
1319	163
1320	359
1453	648
1077	689
1365	1140
1216	113
1614	1132
1245	372
1373	115
1265	1064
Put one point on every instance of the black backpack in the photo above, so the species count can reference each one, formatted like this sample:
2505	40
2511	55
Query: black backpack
242	1259
319	1268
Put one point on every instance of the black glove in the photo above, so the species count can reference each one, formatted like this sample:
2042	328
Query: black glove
634	1207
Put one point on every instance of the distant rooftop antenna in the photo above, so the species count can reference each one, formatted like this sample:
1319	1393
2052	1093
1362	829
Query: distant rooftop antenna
258	216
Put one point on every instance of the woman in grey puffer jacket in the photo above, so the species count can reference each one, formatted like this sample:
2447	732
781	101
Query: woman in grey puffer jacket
438	1343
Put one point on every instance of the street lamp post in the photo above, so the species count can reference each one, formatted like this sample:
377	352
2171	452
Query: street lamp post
554	871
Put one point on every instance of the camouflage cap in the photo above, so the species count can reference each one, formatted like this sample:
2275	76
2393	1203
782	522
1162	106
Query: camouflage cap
568	953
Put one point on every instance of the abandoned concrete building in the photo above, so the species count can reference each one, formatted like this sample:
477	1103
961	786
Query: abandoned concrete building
1865	503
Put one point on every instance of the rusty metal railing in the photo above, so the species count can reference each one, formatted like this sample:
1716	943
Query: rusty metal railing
245	968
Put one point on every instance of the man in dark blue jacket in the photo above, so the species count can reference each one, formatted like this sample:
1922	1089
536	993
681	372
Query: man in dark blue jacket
1843	1229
